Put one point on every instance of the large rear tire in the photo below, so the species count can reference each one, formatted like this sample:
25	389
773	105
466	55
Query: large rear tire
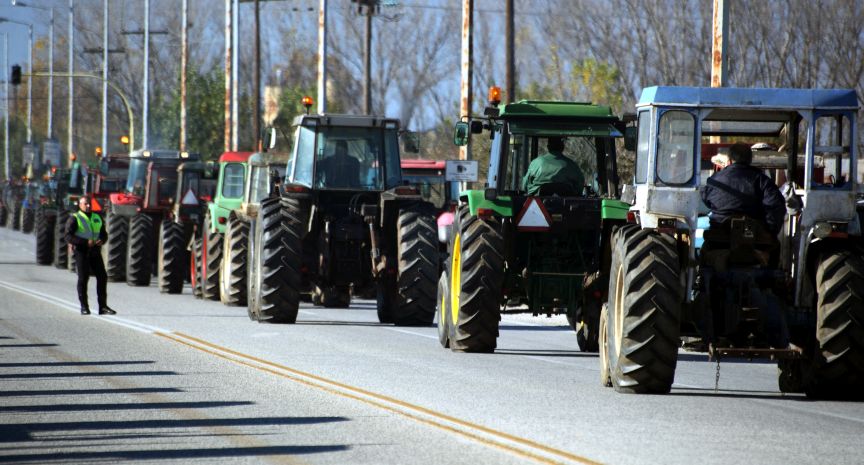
114	250
44	237
172	257
837	370
417	239
477	266
211	261
61	250
4	214
28	217
645	298
253	272
281	246
139	256
233	275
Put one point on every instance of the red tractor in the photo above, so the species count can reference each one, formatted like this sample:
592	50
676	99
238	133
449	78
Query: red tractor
134	214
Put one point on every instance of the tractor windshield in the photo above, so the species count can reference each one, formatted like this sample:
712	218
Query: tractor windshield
233	176
137	176
357	158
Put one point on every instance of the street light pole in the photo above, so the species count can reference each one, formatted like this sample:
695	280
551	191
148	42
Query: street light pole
322	57
146	109
70	147
50	61
29	73
6	92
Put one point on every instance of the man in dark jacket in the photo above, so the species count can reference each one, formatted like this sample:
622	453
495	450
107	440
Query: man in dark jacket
740	189
86	233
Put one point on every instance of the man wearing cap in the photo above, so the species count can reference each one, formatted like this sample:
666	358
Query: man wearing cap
741	189
553	168
86	233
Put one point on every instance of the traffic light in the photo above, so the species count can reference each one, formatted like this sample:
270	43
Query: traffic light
16	75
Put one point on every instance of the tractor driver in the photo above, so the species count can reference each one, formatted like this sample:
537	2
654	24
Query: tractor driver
740	189
553	168
339	169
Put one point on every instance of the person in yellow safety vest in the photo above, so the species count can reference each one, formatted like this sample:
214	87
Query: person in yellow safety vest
86	233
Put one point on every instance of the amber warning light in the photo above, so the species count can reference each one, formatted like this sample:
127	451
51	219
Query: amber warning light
307	102
494	95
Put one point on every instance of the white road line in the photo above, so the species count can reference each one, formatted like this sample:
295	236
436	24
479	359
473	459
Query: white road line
410	332
120	321
790	406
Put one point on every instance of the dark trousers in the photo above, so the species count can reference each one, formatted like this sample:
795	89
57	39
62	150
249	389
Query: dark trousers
90	263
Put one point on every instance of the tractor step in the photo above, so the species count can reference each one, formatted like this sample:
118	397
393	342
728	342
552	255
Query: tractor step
751	353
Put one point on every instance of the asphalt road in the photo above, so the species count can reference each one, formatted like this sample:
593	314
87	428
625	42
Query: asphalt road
175	379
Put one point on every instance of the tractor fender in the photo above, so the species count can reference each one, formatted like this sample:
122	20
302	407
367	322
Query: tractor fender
476	199
217	212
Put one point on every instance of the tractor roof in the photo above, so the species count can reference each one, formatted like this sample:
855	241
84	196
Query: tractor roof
423	164
164	154
547	109
347	120
236	157
752	99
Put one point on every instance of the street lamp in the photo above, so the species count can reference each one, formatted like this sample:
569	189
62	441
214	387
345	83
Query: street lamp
50	60
29	73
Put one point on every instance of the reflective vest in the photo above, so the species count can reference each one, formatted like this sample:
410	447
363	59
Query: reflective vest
88	228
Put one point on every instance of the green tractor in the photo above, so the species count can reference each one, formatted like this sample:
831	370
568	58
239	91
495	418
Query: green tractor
208	241
344	223
510	252
263	171
57	196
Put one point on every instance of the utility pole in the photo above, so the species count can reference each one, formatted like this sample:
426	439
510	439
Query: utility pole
256	87
720	31
235	71
105	79
228	43
146	110
70	144
322	57
184	50
465	86
510	72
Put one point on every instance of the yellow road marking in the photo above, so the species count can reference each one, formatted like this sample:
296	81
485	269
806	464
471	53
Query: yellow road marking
382	401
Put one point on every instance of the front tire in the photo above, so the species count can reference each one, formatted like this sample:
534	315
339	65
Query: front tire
645	298
211	261
195	265
27	220
139	261
114	250
442	309
417	237
172	257
61	250
838	362
44	238
233	275
15	218
477	264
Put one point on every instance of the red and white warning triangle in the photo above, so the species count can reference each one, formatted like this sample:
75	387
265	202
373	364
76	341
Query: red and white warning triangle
533	216
189	198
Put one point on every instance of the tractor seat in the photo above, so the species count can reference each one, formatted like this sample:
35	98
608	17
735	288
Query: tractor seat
739	242
561	189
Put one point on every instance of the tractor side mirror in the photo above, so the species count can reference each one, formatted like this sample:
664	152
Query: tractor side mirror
460	133
631	133
476	127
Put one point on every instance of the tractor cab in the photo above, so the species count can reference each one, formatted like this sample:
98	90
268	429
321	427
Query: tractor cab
196	185
266	171
747	292
151	181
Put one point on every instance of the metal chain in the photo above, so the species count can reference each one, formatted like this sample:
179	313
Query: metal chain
717	377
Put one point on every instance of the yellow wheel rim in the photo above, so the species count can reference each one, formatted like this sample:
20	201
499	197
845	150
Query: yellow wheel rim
455	278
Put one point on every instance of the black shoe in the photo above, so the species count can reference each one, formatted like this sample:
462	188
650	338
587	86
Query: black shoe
106	310
85	311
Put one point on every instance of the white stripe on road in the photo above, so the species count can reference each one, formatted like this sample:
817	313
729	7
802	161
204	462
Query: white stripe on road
410	332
